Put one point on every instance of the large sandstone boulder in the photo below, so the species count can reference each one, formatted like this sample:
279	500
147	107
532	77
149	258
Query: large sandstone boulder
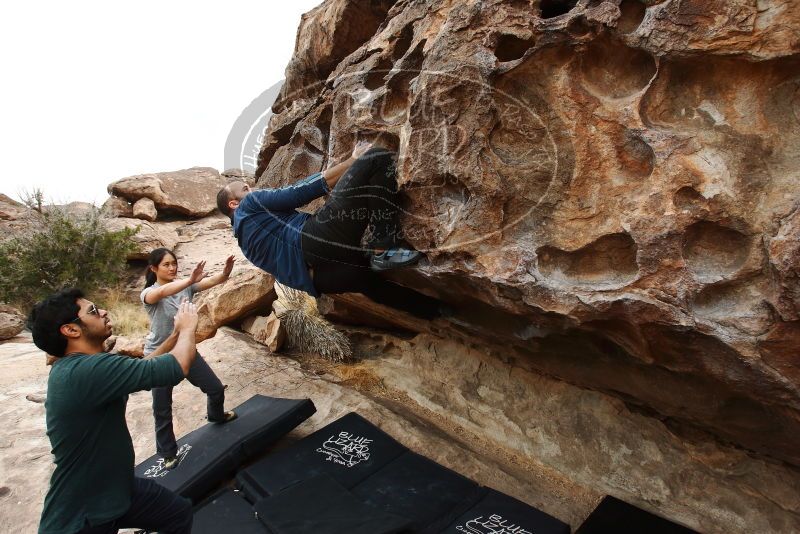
145	209
248	290
127	346
191	192
607	190
12	322
149	236
116	206
347	25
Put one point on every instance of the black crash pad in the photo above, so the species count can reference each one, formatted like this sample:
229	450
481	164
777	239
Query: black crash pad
350	449
227	512
501	514
613	516
380	474
320	505
214	452
419	489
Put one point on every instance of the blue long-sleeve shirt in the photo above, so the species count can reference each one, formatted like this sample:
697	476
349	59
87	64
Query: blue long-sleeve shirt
268	228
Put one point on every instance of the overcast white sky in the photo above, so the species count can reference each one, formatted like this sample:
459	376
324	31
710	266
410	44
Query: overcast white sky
96	91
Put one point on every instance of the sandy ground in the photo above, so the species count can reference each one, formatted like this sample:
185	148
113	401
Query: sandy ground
25	460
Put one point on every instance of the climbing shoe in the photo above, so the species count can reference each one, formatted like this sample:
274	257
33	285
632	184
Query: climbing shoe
394	258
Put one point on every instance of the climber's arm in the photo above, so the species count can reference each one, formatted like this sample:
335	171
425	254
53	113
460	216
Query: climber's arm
333	174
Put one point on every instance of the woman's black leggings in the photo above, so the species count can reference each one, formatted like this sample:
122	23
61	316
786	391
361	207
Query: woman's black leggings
364	200
200	375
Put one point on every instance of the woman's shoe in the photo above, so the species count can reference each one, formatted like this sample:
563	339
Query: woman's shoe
227	417
171	463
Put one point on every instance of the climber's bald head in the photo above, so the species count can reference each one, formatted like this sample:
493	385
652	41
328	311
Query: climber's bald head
230	196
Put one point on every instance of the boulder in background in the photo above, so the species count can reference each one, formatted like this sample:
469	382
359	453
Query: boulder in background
145	209
12	322
248	290
266	330
191	192
116	206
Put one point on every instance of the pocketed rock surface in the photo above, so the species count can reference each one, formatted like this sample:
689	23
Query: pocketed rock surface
610	188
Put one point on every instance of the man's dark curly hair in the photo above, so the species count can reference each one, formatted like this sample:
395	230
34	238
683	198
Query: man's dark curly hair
47	316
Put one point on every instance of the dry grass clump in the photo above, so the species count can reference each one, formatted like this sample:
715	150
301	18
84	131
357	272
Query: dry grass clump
128	315
306	329
360	378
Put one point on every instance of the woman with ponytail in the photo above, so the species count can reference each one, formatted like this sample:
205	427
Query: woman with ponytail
161	296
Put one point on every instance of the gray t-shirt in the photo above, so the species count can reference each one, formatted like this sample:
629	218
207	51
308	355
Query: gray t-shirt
162	315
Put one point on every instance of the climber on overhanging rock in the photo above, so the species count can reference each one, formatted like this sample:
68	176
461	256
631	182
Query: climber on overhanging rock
322	253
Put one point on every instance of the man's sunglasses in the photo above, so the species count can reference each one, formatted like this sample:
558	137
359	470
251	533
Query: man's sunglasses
91	311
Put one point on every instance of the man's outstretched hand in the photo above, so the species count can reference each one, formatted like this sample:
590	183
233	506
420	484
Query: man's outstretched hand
186	318
185	324
361	148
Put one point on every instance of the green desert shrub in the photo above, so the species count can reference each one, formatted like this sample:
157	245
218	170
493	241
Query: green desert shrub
61	249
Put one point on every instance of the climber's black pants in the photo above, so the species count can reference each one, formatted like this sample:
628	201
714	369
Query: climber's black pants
364	200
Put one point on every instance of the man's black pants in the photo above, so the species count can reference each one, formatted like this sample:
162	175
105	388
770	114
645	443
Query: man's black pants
153	508
364	200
